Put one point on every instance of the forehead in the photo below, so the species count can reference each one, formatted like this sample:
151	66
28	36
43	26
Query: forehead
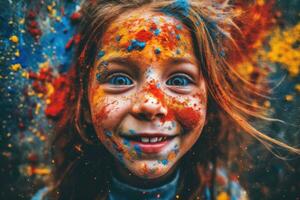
153	35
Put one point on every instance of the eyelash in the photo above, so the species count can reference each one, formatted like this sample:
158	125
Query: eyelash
178	80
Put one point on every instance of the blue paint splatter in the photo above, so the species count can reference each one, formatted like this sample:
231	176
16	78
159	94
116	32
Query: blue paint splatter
138	150
178	37
132	132
222	53
108	133
120	157
100	54
104	63
181	6
157	32
136	45
118	38
157	51
179	27
178	52
164	161
173	124
126	142
98	77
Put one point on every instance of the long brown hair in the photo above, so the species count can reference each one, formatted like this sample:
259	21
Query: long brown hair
82	164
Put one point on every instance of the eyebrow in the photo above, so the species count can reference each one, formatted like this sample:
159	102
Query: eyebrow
181	60
128	62
124	61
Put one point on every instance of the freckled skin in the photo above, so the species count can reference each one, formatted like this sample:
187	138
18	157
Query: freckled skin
165	108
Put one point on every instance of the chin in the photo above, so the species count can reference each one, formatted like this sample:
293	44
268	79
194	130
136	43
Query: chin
150	169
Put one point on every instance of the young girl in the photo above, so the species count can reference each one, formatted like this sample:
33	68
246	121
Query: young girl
155	101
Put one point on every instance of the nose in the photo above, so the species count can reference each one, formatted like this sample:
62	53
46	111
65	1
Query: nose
148	107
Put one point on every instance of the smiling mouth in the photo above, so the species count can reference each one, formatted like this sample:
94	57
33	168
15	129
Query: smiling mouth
150	143
148	138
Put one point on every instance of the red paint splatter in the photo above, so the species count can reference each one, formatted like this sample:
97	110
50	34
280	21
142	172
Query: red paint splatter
188	117
169	117
143	36
40	78
82	55
31	15
254	25
102	114
155	91
153	26
107	37
21	126
167	37
60	96
32	25
74	40
39	87
75	17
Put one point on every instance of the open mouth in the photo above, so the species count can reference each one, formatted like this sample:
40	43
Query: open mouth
150	143
147	138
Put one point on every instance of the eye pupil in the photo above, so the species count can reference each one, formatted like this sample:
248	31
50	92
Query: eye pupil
179	81
120	80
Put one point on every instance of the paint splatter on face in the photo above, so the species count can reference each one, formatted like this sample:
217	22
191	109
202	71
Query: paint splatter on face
146	92
157	35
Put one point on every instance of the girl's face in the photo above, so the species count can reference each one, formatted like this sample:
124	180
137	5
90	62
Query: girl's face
146	93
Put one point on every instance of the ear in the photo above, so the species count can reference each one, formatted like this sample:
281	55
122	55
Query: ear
87	116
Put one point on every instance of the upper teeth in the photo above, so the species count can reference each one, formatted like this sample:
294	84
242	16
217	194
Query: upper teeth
145	140
151	140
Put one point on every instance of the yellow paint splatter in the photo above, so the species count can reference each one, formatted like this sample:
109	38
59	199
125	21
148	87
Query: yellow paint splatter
98	95
285	49
25	74
44	65
17	53
37	108
50	89
297	87
223	196
14	39
21	21
289	97
260	2
29	170
16	67
48	101
267	104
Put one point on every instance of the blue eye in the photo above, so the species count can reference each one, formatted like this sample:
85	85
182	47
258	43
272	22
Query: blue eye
179	80
120	80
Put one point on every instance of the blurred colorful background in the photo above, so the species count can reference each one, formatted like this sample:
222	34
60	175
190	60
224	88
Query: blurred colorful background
37	42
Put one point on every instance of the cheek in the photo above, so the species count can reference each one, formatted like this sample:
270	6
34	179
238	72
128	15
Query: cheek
189	112
108	111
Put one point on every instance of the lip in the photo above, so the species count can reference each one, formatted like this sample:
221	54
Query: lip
150	148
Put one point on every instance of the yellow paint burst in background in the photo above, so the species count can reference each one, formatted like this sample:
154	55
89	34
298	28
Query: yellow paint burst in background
285	49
